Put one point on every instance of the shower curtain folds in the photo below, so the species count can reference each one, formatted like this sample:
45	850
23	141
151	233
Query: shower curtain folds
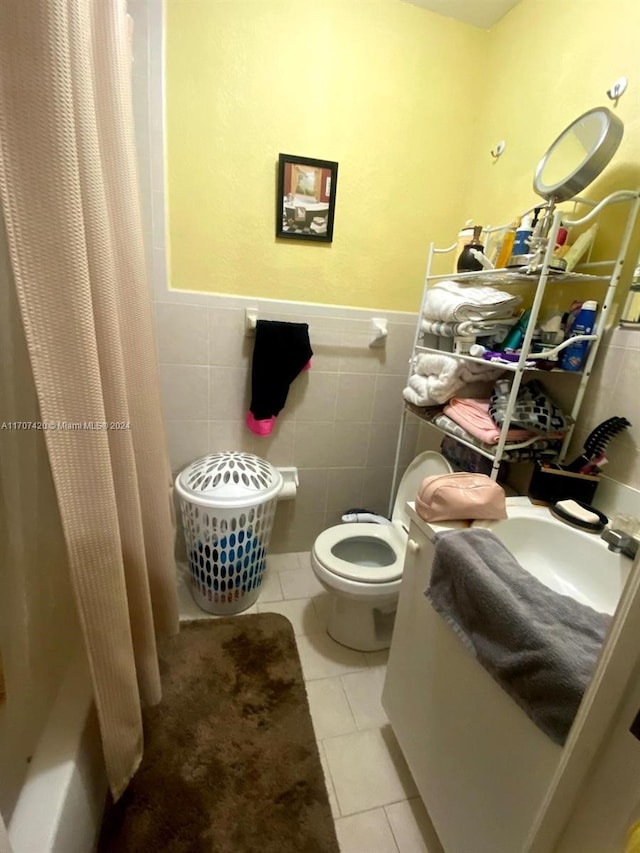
69	193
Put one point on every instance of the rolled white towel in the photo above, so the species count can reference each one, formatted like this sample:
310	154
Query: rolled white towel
417	391
452	302
435	364
437	378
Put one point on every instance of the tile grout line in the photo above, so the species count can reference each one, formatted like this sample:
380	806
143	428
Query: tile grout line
393	835
321	748
383	809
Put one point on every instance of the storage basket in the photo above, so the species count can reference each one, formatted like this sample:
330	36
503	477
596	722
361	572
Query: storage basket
228	503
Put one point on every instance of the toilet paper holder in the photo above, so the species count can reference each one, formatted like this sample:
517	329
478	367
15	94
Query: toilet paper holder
291	483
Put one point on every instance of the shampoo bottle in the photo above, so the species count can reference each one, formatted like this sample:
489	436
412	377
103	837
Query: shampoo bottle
573	356
523	234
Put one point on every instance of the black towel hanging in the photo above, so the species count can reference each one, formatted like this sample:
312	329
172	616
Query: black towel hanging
281	352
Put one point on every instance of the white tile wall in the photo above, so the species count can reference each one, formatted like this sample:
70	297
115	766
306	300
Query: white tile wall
327	428
613	390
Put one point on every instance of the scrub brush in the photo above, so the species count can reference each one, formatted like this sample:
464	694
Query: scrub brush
596	442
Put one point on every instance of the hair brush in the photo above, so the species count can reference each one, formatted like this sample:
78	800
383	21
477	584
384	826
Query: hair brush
596	442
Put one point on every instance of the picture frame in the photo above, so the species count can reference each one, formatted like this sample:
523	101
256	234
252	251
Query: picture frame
306	198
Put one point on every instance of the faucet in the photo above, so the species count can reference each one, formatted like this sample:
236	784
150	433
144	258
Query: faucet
620	542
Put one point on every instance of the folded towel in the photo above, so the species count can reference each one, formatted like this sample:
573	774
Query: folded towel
473	416
280	353
541	647
544	448
479	328
454	302
437	378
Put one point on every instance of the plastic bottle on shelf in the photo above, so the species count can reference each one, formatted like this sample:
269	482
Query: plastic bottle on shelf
522	236
517	333
561	238
465	236
467	262
573	356
506	247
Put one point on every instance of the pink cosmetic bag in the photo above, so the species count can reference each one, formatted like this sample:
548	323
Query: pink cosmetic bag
449	497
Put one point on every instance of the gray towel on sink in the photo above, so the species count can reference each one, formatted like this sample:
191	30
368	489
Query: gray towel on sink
540	646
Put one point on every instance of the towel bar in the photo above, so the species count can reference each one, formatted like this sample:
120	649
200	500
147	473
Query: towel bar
377	325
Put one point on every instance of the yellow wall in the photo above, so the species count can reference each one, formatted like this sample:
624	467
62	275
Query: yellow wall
385	88
409	103
548	62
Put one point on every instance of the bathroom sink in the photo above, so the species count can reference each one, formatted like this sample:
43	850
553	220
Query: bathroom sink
569	561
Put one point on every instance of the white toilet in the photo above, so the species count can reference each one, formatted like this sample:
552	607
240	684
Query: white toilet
360	564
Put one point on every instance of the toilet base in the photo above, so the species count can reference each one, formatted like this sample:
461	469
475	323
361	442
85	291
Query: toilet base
361	625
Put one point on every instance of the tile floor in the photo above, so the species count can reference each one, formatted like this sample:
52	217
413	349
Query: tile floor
373	798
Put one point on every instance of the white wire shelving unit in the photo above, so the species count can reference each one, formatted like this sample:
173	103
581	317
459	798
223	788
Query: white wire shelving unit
604	272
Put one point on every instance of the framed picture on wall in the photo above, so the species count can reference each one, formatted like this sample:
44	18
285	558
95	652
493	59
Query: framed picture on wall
306	198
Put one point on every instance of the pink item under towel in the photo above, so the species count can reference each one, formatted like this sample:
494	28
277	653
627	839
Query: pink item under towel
473	416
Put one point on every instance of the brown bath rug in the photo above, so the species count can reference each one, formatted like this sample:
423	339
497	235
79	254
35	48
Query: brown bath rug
230	762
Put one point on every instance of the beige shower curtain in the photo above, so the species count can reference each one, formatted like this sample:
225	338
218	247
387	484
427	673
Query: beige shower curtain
69	192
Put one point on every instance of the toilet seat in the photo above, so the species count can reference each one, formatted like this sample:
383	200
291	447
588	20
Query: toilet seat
380	558
371	540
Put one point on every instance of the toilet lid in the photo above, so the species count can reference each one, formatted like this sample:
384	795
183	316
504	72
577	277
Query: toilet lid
424	465
378	548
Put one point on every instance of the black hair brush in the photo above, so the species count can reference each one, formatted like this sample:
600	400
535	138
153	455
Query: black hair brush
596	442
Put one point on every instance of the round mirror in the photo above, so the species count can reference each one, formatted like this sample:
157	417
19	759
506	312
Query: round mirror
578	155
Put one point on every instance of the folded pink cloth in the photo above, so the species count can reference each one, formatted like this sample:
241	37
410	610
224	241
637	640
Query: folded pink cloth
473	416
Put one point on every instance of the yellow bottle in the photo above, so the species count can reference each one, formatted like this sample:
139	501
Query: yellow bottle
507	245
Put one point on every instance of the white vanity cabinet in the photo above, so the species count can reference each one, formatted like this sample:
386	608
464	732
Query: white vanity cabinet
480	765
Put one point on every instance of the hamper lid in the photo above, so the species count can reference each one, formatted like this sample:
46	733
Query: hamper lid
229	479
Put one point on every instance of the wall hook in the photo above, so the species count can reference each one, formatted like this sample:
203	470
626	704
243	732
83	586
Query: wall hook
498	151
618	89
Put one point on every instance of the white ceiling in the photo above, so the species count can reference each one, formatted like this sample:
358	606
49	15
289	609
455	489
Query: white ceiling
480	13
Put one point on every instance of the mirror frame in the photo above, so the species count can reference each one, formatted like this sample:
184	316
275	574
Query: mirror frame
593	163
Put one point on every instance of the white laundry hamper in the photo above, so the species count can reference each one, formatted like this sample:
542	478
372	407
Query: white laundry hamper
228	502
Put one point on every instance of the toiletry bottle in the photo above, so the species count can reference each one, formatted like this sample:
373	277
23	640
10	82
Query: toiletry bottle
506	248
466	261
465	236
516	335
524	232
573	356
